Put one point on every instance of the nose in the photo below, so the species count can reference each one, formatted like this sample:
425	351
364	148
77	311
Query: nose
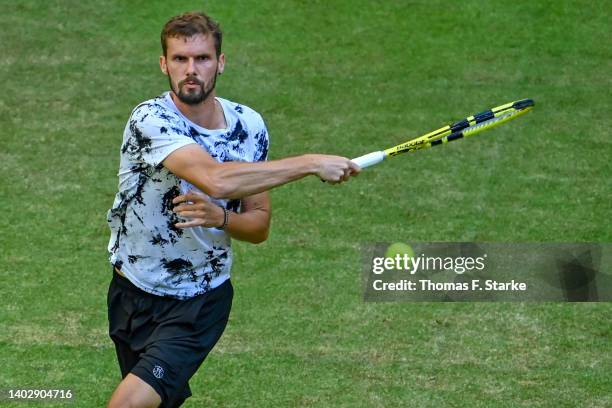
191	67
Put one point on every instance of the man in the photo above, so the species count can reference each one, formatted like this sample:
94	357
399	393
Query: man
193	174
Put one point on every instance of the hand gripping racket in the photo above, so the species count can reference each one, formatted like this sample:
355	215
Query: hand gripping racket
466	127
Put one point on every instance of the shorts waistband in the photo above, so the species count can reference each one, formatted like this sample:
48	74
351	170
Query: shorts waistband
120	278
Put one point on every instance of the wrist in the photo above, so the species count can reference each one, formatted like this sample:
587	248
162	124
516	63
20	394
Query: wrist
311	164
224	218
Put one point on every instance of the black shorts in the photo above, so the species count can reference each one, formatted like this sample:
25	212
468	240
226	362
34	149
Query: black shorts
163	340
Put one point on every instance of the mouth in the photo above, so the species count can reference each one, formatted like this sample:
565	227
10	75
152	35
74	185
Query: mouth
191	83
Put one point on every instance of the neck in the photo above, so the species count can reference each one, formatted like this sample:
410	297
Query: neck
208	114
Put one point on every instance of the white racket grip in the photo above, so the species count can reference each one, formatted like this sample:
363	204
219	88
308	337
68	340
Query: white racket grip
369	159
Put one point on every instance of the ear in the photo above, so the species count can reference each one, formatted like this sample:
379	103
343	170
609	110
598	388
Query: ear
221	63
162	64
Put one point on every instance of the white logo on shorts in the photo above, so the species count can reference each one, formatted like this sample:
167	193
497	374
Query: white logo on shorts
158	371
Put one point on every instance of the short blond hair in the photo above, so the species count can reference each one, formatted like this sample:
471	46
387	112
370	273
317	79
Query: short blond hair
190	24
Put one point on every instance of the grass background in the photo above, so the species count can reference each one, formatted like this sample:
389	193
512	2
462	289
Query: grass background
338	77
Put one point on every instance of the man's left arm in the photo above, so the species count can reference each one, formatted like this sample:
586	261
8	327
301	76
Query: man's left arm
252	224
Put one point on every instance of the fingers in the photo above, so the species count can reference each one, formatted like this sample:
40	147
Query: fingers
190	196
191	214
346	175
182	198
354	168
333	178
190	224
197	211
340	170
189	207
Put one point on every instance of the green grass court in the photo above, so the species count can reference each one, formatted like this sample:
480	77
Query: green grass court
340	77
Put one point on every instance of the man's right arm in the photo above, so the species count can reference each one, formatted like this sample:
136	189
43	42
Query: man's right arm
239	179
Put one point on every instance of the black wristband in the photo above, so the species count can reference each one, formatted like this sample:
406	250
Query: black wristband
225	219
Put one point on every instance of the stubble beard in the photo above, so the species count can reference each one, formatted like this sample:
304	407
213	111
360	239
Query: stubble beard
197	95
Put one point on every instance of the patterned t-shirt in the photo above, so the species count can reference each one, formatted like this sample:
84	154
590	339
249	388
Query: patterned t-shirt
150	251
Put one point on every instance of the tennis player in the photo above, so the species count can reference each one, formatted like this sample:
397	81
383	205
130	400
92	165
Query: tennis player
193	174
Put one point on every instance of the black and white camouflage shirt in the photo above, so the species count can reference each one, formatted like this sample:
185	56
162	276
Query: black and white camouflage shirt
152	253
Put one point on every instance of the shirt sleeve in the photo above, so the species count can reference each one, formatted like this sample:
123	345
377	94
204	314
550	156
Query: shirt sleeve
152	133
262	142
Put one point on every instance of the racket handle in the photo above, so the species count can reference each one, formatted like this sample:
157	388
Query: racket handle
369	159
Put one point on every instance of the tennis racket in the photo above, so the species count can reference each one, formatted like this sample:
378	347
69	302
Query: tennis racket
466	127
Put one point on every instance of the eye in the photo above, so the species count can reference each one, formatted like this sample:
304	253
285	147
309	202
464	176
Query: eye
179	58
203	58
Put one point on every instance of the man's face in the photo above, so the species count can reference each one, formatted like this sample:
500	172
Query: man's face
192	66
